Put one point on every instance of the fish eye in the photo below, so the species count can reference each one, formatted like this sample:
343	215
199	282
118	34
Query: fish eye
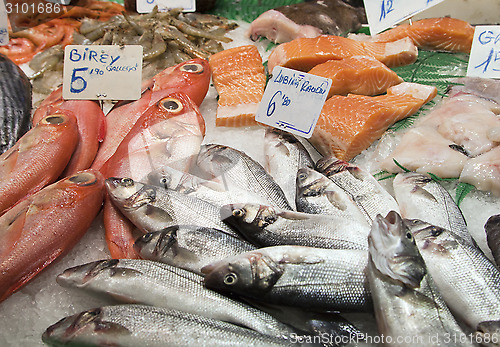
192	68
302	176
147	237
171	105
409	236
238	213
230	279
127	182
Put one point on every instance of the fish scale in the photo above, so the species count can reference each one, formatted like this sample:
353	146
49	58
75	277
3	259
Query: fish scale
163	285
15	103
131	326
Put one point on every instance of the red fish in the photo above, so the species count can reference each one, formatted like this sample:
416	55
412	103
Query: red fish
91	127
46	225
168	133
191	77
37	159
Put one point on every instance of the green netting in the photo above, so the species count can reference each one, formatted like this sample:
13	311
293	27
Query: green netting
247	10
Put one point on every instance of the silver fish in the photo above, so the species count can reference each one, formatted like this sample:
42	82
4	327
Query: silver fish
468	281
143	325
268	226
317	194
236	169
492	229
285	154
420	197
401	287
213	191
189	247
162	285
313	278
153	208
363	189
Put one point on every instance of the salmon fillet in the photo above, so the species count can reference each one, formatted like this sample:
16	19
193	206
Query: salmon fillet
349	124
357	75
448	34
239	78
305	53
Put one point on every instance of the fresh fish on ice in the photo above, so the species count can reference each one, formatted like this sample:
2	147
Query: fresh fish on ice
421	197
363	189
468	281
492	229
269	226
153	208
401	287
15	103
285	154
314	278
236	169
189	247
161	285
307	19
317	194
143	325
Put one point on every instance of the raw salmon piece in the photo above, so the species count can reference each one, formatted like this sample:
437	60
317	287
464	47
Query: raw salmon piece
349	124
357	75
305	53
239	78
445	33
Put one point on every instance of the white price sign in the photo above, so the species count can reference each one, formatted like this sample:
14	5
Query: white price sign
293	101
146	6
102	72
4	25
383	14
484	60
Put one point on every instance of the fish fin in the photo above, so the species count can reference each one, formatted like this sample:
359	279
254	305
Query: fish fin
333	198
11	232
424	193
292	215
158	214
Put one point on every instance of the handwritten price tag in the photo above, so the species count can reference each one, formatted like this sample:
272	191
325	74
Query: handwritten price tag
293	101
146	6
484	60
383	14
4	25
102	72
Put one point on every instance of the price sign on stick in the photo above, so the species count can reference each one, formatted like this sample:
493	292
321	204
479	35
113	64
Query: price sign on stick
146	6
102	72
484	60
4	25
293	101
383	14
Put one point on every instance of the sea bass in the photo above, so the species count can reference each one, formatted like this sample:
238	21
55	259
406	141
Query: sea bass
269	226
144	325
317	194
44	226
153	208
363	189
37	159
468	281
401	286
236	169
190	247
161	285
420	197
15	103
284	154
191	77
314	278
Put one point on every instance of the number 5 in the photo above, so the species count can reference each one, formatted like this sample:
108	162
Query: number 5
78	80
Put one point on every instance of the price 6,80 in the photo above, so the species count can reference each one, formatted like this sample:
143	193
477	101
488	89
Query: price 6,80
271	107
